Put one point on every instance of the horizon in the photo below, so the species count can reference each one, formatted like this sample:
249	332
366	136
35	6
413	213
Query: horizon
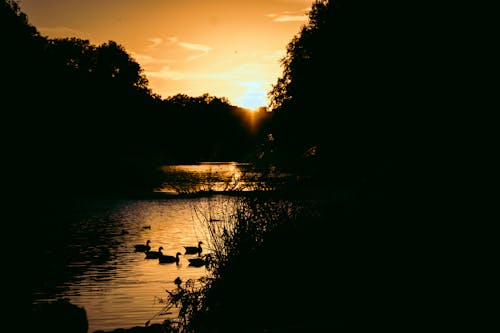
224	49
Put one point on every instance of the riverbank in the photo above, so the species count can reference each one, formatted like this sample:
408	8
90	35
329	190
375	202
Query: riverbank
353	264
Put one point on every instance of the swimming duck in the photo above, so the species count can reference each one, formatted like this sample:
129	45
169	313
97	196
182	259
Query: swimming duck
198	262
169	259
178	281
154	254
194	249
143	247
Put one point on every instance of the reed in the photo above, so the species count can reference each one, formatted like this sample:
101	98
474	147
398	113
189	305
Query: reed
242	227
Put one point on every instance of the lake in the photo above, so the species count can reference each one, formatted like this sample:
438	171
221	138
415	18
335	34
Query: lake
96	266
209	177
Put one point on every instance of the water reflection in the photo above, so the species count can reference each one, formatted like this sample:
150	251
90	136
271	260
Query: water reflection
93	261
208	176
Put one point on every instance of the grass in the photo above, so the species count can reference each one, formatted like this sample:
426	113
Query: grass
240	270
286	261
292	263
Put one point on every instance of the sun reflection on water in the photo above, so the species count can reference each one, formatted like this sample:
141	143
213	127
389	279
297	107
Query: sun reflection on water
117	286
206	176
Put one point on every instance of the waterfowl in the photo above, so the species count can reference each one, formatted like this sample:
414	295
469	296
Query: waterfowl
194	249
154	254
169	259
198	262
143	247
178	281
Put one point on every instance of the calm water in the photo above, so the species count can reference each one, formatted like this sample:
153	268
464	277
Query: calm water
117	286
209	176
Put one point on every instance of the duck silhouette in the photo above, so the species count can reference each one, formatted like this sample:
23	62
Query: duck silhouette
201	261
178	281
194	249
164	259
143	247
154	254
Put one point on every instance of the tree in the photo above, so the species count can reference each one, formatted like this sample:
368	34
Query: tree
71	55
113	62
337	92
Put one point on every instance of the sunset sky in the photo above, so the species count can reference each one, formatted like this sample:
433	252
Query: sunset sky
226	48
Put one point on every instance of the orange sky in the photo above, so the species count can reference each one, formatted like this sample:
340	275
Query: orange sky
226	48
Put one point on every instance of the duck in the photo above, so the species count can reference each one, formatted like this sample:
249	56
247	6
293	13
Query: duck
199	262
143	247
163	259
154	254
178	281
194	249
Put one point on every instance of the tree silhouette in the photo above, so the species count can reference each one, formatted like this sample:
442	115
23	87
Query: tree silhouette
84	118
336	95
112	61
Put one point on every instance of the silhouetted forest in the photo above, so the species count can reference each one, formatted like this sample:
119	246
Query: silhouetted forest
375	111
85	121
370	97
341	97
350	106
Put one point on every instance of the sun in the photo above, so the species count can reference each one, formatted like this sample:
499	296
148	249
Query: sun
253	98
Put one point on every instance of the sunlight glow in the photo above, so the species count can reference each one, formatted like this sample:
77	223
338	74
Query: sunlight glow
225	51
254	97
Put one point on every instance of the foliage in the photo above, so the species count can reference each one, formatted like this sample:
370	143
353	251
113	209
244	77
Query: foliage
238	242
338	96
324	126
205	128
84	115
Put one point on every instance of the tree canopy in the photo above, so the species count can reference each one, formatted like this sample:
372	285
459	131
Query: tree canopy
336	102
84	117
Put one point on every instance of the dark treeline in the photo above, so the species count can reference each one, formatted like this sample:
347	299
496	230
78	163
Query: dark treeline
375	108
85	121
369	109
365	93
346	95
383	94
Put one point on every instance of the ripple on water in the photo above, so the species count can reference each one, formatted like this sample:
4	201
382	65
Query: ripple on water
117	286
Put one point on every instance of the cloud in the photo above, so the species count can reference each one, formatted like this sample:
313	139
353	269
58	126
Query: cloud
204	49
197	47
245	84
248	75
155	42
149	60
288	16
166	73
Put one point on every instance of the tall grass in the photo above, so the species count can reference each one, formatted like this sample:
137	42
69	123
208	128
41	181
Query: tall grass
243	228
